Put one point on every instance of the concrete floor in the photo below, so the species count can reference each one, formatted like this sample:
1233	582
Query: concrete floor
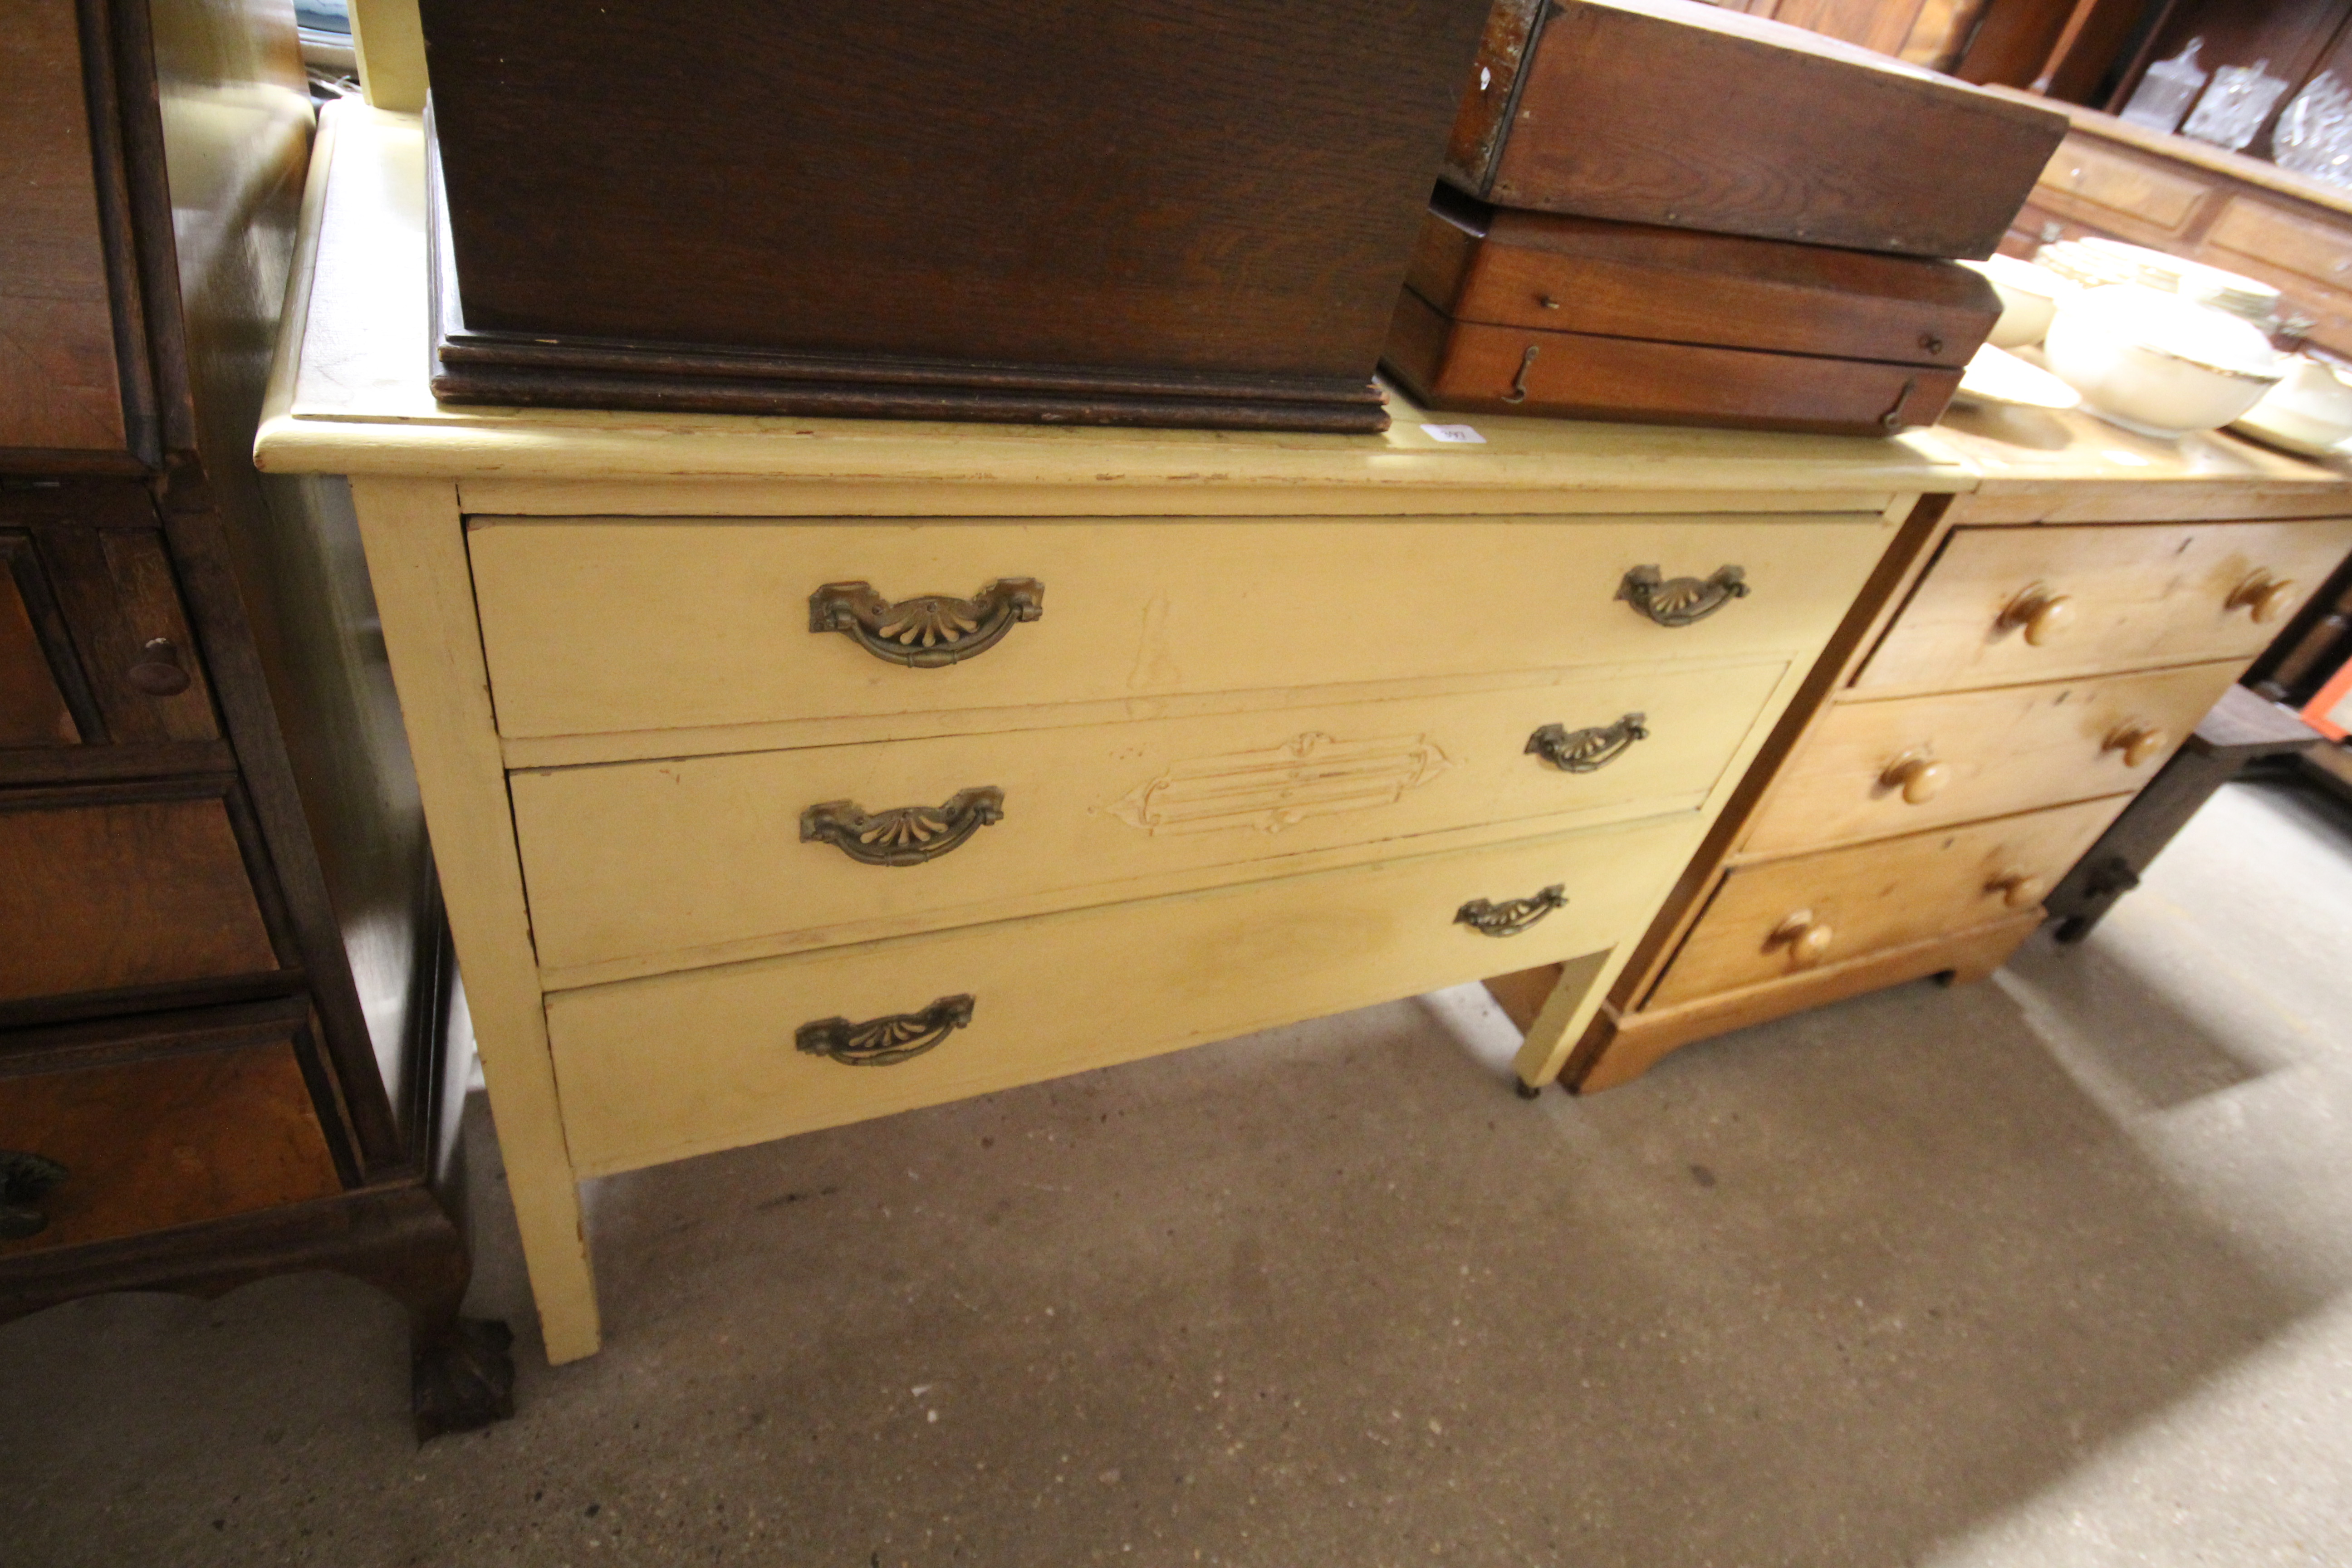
2052	1271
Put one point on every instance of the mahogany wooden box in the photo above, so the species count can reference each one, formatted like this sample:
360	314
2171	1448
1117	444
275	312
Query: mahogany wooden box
1515	312
1670	111
1175	214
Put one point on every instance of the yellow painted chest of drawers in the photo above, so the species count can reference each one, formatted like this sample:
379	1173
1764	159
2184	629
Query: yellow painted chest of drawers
785	773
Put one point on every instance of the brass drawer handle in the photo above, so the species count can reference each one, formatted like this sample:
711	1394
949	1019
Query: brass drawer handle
1679	601
1512	916
159	672
883	1042
931	631
1591	750
905	834
25	1180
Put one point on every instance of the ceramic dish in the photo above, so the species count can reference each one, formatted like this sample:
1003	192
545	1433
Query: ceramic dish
2310	412
2157	363
2029	298
1996	375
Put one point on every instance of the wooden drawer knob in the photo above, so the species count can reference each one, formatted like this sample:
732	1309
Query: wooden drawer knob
1921	779
25	1180
2139	743
159	672
1806	939
2018	890
2045	613
2262	595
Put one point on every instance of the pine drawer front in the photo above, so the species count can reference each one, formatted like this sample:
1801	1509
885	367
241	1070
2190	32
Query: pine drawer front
220	1133
2009	605
656	1069
1781	917
644	867
121	887
1871	770
598	626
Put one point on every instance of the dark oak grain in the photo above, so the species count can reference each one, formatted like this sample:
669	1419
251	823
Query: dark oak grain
221	1131
977	208
1669	112
105	895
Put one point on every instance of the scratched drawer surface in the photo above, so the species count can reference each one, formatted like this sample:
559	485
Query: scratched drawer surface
1871	770
656	1069
1780	917
596	625
2009	605
642	867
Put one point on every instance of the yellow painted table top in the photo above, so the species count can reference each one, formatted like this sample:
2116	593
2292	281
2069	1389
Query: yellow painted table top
350	396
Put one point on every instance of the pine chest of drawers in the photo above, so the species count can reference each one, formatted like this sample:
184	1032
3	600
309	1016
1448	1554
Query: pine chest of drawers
2050	638
785	773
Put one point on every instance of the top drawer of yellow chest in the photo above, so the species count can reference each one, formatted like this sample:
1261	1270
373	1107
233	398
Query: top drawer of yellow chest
604	625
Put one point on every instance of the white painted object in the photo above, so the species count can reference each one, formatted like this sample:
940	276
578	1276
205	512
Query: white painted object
2157	363
2310	412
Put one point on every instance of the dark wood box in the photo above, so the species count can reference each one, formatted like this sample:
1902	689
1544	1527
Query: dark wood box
1669	112
1193	213
1522	312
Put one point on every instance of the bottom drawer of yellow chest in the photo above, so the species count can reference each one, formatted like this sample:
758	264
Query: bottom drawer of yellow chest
660	1068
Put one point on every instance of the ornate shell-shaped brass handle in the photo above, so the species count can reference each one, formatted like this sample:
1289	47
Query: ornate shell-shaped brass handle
25	1180
1513	915
1588	751
931	631
882	1042
905	834
1679	601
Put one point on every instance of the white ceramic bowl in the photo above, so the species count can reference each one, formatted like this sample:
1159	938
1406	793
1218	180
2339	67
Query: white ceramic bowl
2158	363
2029	298
2310	412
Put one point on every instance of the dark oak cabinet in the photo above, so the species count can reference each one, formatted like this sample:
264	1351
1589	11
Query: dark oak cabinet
224	979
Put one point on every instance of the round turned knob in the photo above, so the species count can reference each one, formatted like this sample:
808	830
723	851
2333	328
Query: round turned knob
2018	890
2262	595
2139	743
159	672
1807	939
1921	779
2043	613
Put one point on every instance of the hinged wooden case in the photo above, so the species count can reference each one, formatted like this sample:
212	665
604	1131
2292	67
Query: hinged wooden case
1529	313
1672	112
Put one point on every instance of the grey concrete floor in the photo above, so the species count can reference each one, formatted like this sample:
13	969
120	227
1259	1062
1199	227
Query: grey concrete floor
2052	1271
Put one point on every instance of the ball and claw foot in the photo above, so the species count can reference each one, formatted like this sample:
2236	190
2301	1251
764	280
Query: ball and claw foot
1527	1090
462	1377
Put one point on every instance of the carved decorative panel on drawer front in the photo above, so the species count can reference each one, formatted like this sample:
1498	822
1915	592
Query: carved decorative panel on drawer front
640	866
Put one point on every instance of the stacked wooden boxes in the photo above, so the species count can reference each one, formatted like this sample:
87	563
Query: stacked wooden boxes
1660	210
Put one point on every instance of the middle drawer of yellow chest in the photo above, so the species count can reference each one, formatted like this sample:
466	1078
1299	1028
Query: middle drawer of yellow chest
637	867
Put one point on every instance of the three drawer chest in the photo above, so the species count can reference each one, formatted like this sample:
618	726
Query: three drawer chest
784	772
